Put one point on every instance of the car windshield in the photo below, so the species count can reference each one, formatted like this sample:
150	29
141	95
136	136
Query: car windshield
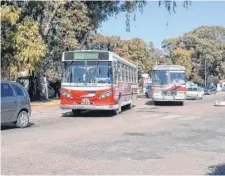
88	72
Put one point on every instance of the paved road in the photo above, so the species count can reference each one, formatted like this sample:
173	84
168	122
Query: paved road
148	139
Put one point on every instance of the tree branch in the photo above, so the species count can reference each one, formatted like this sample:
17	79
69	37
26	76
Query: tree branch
50	19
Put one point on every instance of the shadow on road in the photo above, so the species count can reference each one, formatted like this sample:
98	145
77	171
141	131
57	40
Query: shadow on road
151	103
11	126
94	113
141	96
217	170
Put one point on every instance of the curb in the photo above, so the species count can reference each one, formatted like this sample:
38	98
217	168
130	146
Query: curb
45	104
220	103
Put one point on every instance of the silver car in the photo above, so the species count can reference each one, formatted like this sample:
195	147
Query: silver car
15	104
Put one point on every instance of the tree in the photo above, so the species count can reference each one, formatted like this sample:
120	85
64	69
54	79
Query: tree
21	47
137	51
28	45
207	46
64	25
9	17
182	57
109	43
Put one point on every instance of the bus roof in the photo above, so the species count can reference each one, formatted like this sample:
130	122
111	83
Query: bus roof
111	53
169	67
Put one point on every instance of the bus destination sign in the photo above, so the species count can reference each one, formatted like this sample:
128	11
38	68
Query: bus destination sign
84	56
70	55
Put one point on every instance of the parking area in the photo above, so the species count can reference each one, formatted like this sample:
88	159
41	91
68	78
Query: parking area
148	139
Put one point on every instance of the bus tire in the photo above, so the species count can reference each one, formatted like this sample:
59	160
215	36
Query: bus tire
130	106
156	103
76	112
118	110
182	103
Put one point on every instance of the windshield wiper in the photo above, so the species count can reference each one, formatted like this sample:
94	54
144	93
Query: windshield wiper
69	64
88	75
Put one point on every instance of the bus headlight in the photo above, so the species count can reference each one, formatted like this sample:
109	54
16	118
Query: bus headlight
105	94
66	94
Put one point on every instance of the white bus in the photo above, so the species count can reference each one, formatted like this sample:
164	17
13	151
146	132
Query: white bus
168	84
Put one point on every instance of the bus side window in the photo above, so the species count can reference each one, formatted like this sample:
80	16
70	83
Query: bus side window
130	71
120	71
135	76
127	73
115	75
124	73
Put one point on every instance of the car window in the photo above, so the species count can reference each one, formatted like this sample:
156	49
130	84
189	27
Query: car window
6	90
189	89
18	90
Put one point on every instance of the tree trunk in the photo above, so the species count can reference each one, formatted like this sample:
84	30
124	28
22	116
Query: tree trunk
42	85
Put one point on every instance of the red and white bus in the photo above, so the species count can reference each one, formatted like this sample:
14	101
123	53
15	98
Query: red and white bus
97	80
168	84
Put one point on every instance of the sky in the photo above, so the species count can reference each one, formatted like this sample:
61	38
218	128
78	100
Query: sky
152	24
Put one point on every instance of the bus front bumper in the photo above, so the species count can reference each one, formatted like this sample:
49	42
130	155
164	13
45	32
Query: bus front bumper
89	107
168	99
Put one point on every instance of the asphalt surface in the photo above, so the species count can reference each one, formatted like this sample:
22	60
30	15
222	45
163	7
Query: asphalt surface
165	139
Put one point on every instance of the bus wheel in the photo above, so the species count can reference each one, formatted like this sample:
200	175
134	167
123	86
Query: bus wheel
118	110
76	112
130	106
156	103
182	103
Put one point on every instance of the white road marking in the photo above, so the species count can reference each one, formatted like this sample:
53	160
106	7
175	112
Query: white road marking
171	116
154	115
190	117
180	117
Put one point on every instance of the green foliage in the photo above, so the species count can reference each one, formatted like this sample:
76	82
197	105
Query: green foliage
137	51
182	57
35	33
9	14
28	45
207	45
109	43
134	50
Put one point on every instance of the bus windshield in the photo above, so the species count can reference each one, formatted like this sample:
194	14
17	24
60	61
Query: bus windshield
178	77
162	77
88	72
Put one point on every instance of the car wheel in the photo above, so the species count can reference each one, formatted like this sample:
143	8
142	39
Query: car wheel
22	119
76	112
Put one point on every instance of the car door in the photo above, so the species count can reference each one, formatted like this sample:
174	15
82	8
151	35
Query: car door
9	103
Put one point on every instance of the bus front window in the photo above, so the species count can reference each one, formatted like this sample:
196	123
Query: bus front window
160	77
178	78
75	73
99	72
